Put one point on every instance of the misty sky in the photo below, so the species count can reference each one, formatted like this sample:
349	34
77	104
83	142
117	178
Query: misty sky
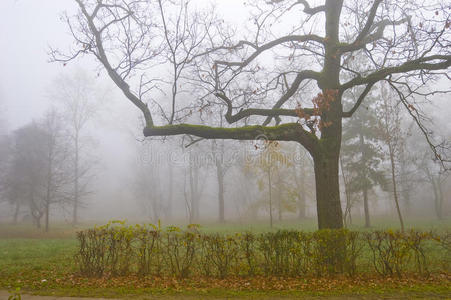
27	29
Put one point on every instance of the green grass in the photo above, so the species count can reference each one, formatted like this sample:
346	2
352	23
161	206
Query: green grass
311	225
43	263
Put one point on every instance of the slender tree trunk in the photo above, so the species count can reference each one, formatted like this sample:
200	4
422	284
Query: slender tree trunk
300	180
76	182
301	203
364	178
395	191
270	197
366	208
347	214
188	202
220	175
279	197
194	188
16	212
170	193
196	193
48	195
192	193
47	211
438	197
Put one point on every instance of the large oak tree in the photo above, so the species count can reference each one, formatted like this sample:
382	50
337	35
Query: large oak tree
295	53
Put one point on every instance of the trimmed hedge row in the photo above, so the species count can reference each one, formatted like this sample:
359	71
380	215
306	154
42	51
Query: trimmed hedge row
118	249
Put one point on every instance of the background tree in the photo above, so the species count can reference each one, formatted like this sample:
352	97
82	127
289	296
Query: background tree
148	189
37	173
234	71
362	155
79	100
270	166
393	137
303	176
434	175
25	174
193	186
55	154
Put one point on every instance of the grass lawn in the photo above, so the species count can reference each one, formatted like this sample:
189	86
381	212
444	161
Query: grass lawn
43	263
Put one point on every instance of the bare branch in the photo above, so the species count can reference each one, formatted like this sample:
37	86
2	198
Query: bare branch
423	63
284	132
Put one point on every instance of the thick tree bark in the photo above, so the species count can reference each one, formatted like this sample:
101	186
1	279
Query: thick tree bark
326	155
327	193
326	165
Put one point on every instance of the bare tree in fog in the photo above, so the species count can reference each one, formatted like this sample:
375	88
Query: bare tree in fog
271	167
148	190
404	43
78	97
393	137
193	186
218	149
304	180
56	174
433	174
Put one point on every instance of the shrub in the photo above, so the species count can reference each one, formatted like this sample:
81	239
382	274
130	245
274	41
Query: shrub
118	249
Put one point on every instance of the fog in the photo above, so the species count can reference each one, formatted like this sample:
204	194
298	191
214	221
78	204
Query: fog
180	179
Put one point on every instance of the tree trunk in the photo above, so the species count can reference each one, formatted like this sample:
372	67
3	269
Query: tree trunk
300	180
347	214
366	208
48	195
270	197
16	212
328	190
438	197
364	178
220	174
47	211
170	192
279	198
395	191
326	156
194	188
76	183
